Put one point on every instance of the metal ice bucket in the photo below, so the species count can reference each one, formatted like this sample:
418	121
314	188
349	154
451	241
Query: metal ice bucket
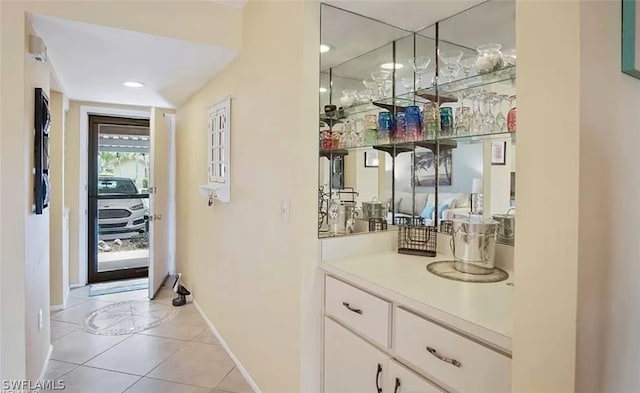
474	245
506	229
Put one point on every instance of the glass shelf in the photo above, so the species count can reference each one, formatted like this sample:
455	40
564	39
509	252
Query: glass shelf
446	90
446	141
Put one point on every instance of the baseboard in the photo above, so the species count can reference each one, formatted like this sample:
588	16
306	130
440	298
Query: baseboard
224	345
46	363
72	286
56	307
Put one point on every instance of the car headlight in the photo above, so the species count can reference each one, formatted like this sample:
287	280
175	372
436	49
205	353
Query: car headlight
137	207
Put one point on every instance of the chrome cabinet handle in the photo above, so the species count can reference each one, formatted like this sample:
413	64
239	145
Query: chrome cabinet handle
355	310
378	378
435	353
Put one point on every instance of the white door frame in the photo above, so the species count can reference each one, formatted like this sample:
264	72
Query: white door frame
83	218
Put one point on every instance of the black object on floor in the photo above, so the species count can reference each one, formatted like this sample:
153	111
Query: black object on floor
181	300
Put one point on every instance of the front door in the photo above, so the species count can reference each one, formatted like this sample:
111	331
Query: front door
118	198
160	217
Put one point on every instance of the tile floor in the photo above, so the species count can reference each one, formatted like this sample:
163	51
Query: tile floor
179	356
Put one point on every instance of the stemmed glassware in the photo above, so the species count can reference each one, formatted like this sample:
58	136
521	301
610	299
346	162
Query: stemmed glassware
467	64
489	117
380	77
451	60
408	84
501	121
371	86
419	65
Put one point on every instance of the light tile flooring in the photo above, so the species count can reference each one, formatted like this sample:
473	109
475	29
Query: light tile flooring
179	356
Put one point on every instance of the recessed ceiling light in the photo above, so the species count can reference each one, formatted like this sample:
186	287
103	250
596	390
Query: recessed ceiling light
132	84
390	66
324	48
323	90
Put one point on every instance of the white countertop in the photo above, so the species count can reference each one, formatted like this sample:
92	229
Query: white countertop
482	310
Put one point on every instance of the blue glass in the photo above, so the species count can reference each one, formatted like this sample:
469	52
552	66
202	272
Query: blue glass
413	122
446	121
385	122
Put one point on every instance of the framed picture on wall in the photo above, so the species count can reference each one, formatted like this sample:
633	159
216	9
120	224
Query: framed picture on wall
499	153
424	171
371	159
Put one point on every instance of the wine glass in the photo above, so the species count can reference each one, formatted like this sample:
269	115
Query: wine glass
407	83
419	65
371	86
451	61
467	64
380	77
501	121
489	117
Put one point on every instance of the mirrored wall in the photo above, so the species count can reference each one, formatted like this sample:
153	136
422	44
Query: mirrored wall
416	128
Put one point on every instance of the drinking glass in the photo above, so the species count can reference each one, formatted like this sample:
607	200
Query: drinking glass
371	86
364	96
380	77
501	121
419	65
467	64
413	123
408	84
489	117
451	61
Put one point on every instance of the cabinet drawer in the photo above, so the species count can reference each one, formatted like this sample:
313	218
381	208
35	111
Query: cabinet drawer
454	360
365	313
403	380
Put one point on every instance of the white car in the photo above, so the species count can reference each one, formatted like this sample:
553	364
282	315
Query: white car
120	217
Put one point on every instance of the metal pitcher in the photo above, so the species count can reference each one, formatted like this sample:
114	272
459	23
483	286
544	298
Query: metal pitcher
474	245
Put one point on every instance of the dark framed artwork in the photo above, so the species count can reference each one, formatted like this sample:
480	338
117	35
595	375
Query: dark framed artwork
499	153
371	159
630	63
424	173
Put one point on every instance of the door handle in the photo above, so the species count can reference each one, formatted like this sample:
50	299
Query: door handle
378	378
397	388
445	359
352	309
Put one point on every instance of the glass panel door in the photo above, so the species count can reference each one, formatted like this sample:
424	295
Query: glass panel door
118	198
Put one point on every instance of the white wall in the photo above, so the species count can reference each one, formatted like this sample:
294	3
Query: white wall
59	269
546	249
608	350
25	236
253	274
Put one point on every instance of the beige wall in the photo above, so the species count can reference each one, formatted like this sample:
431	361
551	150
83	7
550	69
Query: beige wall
253	274
76	179
21	255
59	267
608	314
546	253
24	269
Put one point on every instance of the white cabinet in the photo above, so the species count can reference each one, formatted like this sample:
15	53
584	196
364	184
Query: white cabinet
460	363
402	380
365	313
351	365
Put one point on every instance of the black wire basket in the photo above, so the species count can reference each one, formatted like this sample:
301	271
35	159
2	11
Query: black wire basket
377	224
417	240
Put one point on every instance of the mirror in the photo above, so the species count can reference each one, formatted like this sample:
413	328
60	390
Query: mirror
414	130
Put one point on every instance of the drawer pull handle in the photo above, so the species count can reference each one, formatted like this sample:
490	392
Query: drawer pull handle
435	353
378	378
396	389
355	310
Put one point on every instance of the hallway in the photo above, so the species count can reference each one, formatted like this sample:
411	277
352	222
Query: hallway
176	353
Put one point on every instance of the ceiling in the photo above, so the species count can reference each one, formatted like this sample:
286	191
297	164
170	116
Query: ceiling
411	15
91	62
